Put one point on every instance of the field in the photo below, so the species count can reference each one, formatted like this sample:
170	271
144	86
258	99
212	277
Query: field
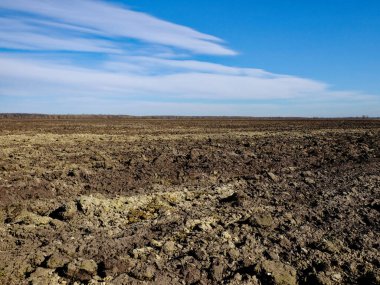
123	200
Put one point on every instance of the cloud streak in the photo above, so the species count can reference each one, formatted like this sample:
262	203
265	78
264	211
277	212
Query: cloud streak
111	21
200	80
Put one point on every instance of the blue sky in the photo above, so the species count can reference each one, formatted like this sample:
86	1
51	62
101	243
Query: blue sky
144	57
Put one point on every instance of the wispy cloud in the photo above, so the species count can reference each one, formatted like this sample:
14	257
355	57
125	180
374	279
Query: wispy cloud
197	80
112	57
108	20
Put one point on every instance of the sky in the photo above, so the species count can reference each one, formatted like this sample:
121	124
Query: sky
218	57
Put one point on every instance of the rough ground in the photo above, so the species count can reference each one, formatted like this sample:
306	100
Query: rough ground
108	200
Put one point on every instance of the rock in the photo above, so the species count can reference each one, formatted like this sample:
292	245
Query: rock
263	220
28	218
273	254
273	176
226	235
82	270
217	272
43	276
203	226
307	174
156	243
327	246
309	181
238	277
275	272
169	247
89	266
140	253
56	261
336	277
234	253
150	271
39	257
71	269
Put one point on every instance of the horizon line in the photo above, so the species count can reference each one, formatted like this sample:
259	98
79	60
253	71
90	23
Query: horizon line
36	115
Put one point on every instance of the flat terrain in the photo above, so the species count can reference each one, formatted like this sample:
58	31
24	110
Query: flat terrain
118	200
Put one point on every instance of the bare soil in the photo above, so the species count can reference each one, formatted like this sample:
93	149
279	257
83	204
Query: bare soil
119	200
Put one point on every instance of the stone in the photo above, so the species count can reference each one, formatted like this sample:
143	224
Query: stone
29	218
307	174
226	235
156	243
336	277
89	266
169	247
56	261
277	272
39	257
149	272
204	227
43	276
139	253
238	277
234	253
82	270
217	272
327	246
263	220
273	176
309	181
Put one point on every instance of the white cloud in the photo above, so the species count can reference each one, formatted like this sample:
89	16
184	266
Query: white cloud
161	65
216	82
35	41
109	20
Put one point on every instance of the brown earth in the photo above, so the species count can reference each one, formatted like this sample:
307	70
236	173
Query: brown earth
118	200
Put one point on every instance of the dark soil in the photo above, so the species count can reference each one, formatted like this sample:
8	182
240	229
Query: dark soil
118	200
